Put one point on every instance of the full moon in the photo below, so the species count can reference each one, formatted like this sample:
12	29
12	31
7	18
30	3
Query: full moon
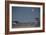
32	10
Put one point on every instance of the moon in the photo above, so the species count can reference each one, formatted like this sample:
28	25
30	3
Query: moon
32	10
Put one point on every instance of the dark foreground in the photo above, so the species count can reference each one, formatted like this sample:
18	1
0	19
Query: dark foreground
25	25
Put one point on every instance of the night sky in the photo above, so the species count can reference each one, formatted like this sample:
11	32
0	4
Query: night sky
25	14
